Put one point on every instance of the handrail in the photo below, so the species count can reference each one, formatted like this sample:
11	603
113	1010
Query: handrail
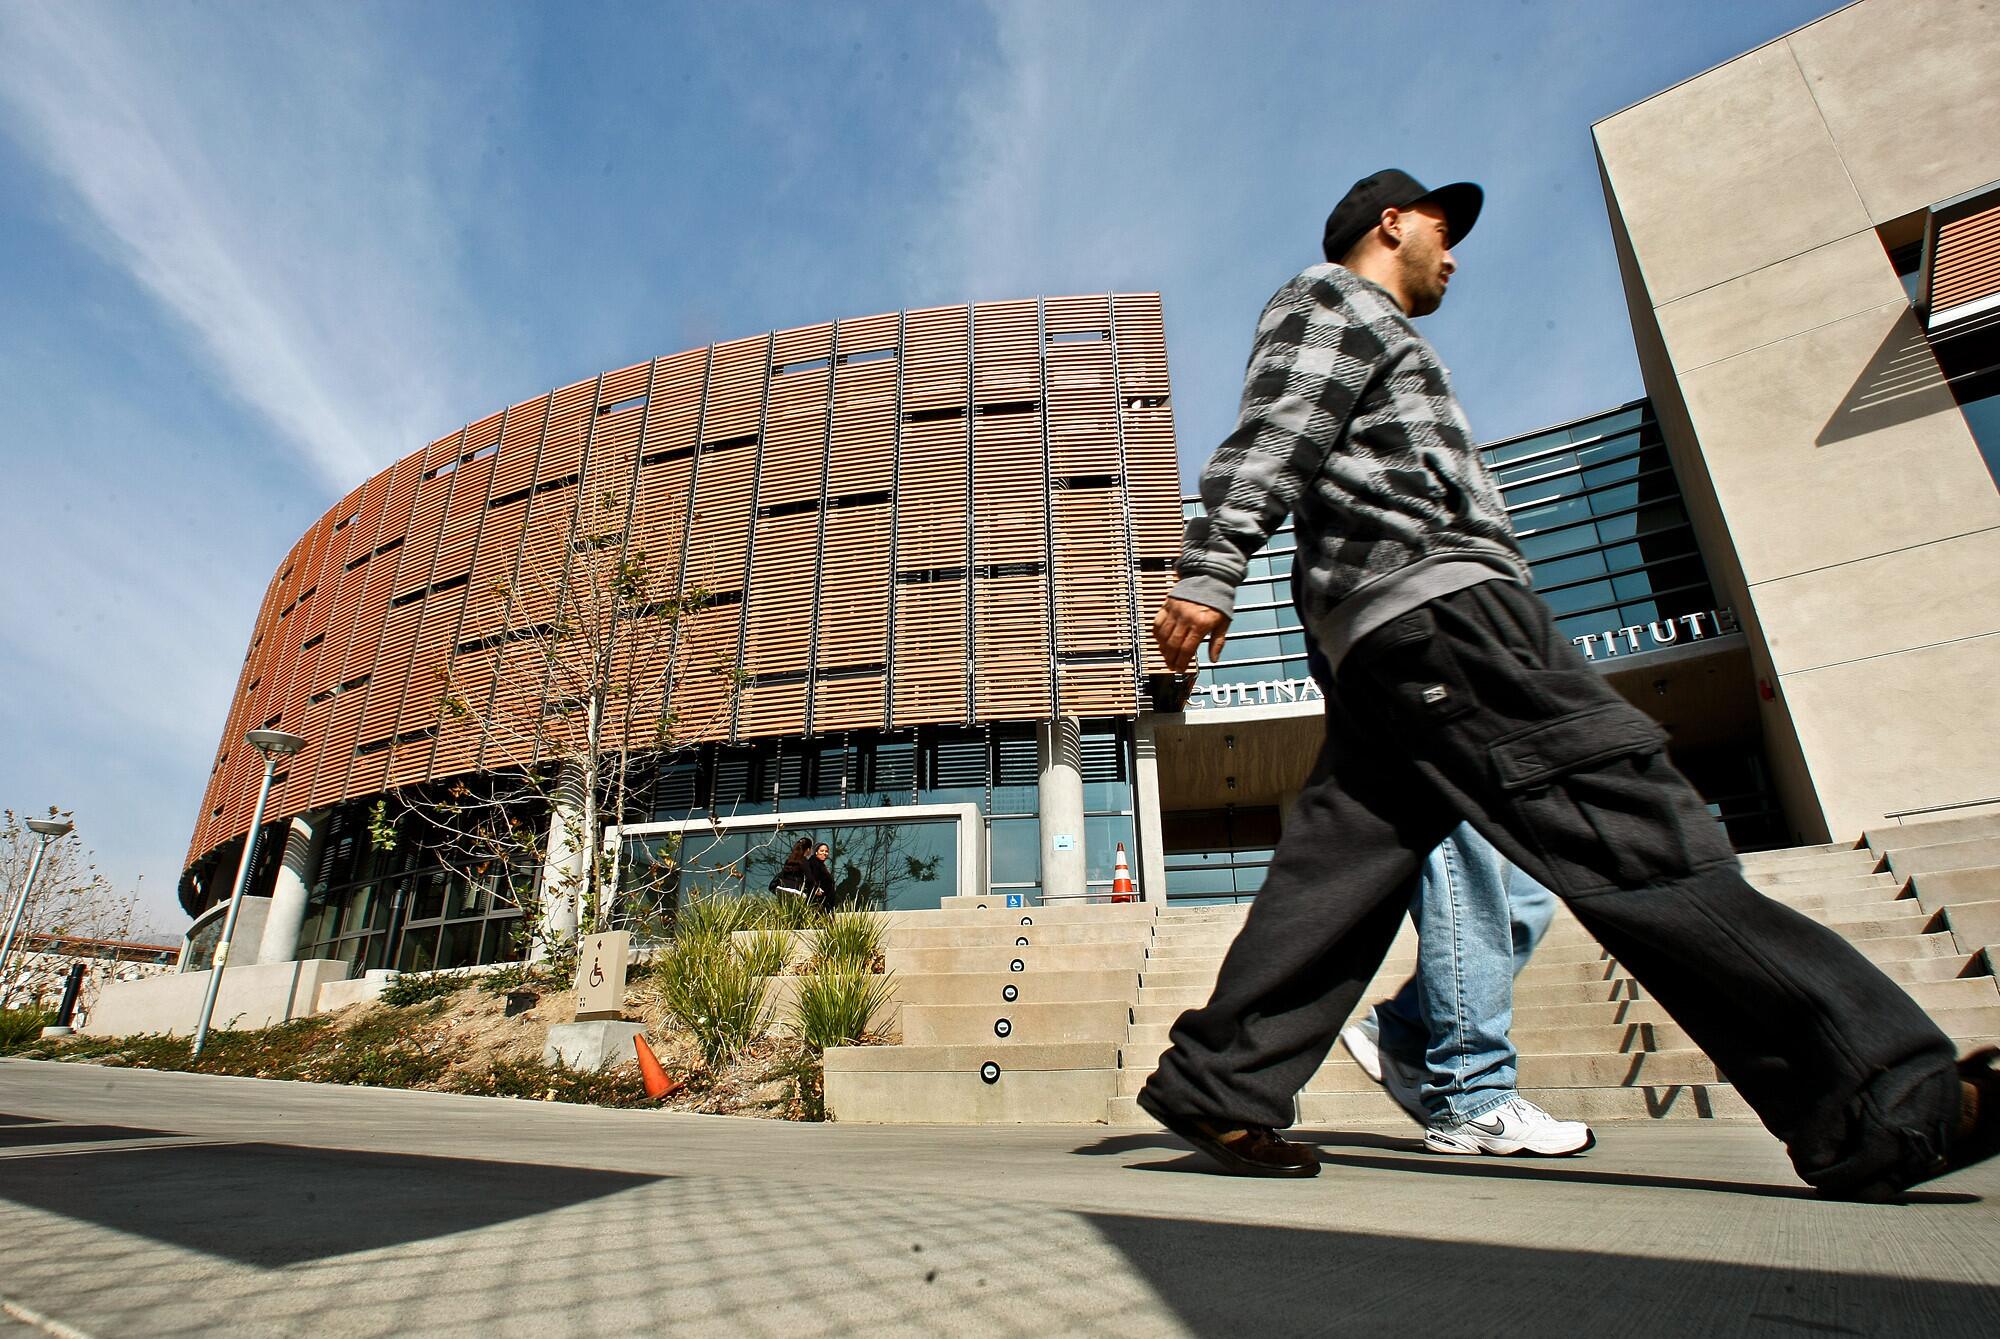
1940	808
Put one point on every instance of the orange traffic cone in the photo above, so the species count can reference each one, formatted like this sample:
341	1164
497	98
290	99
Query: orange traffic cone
657	1083
1121	879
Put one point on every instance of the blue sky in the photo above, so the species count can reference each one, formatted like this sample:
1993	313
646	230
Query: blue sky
251	254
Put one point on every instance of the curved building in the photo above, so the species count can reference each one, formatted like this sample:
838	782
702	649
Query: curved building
920	549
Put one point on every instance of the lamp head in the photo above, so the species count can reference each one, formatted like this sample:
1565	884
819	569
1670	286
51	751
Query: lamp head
49	827
275	743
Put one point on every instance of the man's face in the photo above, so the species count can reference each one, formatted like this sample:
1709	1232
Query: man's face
1424	257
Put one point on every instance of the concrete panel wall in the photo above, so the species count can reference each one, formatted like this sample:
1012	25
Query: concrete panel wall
252	996
1827	465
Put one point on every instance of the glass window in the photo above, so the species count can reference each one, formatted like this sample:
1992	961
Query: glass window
1101	835
895	866
1014	850
460	946
1252	620
1200	881
426	898
356	912
419	949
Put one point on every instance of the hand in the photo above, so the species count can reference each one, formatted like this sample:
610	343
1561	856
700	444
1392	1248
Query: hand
1182	626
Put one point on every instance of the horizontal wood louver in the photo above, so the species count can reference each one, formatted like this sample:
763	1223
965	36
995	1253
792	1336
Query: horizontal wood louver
932	517
778	597
933	549
406	558
429	625
1965	266
486	609
1010	516
719	532
857	573
1151	469
463	509
659	528
1094	571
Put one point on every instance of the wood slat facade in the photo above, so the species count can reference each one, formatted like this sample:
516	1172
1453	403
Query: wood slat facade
951	515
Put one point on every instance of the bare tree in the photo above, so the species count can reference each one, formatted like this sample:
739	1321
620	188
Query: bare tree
575	700
71	899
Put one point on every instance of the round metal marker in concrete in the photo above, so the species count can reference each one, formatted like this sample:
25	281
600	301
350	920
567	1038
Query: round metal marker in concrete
990	1072
1010	993
1020	941
1027	920
1017	966
1003	1027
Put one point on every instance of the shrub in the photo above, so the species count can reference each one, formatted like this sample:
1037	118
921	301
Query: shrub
616	1087
786	911
21	1028
852	940
710	990
416	987
522	976
765	952
800	1068
835	1005
716	916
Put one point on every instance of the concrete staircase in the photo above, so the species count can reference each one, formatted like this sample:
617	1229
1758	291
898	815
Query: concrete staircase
1058	1014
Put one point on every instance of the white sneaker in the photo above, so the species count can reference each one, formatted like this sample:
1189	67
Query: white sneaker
1363	1040
1516	1127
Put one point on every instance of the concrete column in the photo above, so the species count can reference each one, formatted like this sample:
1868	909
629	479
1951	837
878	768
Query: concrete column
565	864
1063	869
1146	811
305	838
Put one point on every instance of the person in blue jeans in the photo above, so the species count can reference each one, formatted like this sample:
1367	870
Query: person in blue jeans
1441	1048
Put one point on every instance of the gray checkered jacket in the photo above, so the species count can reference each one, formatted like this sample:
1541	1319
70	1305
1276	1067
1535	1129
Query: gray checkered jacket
1349	424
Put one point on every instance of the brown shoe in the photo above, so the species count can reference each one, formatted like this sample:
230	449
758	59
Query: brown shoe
1243	1150
1976	1138
1978	1135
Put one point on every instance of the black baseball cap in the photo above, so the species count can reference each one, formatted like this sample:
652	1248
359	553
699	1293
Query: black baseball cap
1392	188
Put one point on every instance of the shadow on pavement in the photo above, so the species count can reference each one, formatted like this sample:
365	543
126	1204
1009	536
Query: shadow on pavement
272	1205
1580	1173
1232	1279
1573	1171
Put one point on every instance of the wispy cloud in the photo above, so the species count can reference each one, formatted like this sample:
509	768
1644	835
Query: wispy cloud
273	195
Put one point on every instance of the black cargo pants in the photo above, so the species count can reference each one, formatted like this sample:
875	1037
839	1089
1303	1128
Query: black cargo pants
1474	707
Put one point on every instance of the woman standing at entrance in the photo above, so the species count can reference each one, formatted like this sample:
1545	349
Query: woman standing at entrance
791	879
819	877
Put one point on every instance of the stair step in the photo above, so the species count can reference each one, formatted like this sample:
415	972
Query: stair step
968	1059
965	988
1000	936
1033	958
1933	831
1819	869
1934	890
1017	1096
980	1024
1974	925
1979	853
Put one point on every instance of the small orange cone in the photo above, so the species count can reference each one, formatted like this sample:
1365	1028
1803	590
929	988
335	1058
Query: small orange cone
657	1083
1121	879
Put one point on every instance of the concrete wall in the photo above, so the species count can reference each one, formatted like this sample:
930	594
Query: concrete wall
1832	478
252	996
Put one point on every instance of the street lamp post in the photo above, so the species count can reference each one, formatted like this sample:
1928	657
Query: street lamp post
273	744
48	829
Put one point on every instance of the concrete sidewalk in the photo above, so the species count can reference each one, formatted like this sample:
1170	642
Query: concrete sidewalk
183	1204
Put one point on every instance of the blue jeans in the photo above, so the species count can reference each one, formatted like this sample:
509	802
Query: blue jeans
1478	919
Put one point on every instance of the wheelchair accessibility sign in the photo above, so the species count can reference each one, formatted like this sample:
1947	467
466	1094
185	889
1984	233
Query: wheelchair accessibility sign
1014	900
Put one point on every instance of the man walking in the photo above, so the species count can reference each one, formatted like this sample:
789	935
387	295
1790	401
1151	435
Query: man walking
1453	698
1441	1046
